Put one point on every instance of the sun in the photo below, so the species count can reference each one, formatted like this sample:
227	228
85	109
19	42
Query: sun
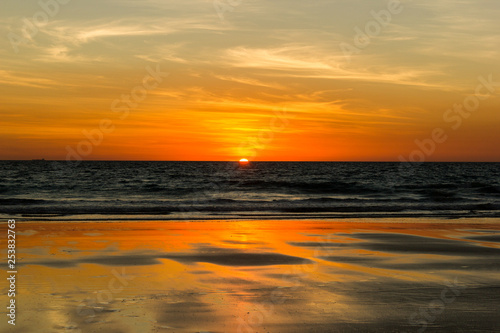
243	161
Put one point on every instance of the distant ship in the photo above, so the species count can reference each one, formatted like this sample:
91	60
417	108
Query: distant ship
38	159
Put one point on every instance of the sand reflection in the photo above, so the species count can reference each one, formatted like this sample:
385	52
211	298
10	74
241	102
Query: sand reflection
269	276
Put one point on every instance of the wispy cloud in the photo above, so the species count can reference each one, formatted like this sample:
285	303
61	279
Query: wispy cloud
250	81
284	58
306	62
11	78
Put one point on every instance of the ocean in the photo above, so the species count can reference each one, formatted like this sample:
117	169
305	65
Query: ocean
136	190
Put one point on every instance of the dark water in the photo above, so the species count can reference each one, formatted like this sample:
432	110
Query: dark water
185	190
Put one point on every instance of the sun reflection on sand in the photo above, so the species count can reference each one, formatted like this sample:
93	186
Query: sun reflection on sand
198	275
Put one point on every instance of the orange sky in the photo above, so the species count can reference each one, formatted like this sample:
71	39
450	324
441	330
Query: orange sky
265	81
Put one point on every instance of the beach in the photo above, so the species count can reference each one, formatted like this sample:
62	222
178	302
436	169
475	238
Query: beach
349	275
233	166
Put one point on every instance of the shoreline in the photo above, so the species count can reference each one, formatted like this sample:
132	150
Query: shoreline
248	217
372	220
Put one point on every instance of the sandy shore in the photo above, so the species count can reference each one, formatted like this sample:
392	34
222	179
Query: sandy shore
258	276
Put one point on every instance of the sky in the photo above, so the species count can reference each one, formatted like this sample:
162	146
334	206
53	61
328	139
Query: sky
322	80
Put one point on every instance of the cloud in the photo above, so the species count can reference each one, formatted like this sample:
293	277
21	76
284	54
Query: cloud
296	58
250	81
303	62
12	78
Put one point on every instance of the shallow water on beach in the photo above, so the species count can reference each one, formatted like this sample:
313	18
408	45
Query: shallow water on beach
259	276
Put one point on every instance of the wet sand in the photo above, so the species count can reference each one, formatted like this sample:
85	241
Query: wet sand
404	275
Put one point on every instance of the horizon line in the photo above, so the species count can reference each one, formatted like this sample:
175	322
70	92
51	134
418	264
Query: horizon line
256	161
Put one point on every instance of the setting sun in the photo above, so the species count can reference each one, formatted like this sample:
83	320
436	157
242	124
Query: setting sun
243	160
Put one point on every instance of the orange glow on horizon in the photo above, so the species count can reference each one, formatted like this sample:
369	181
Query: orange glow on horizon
295	98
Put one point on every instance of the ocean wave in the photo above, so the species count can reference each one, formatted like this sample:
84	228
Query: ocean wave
274	187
